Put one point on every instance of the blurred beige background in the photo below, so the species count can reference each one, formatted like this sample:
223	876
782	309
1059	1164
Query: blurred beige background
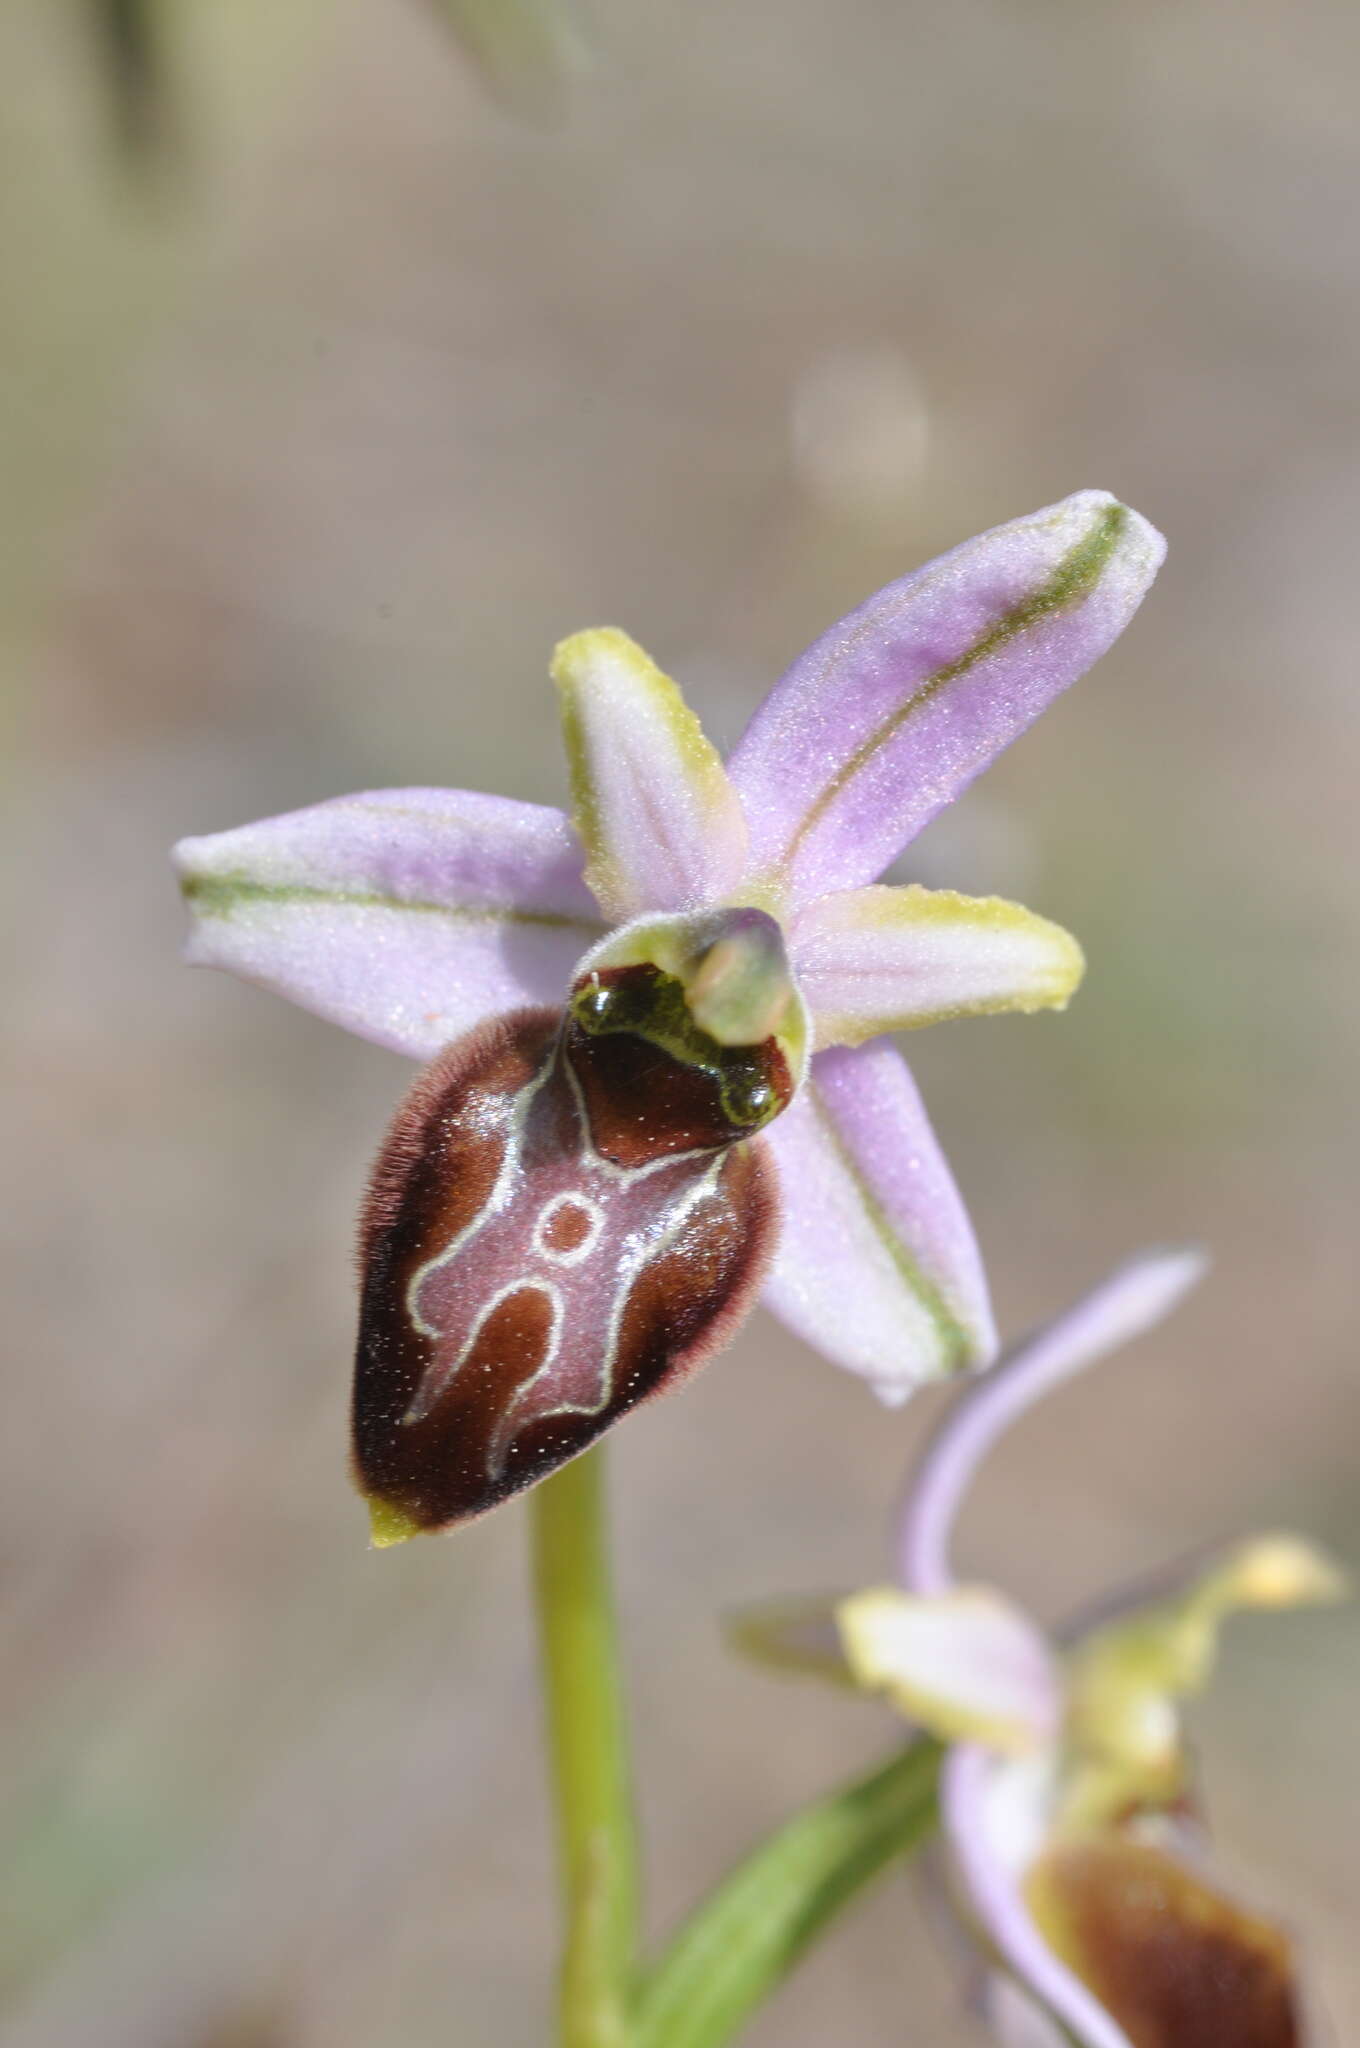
311	442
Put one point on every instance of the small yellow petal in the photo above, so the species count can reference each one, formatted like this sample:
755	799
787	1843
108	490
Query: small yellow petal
1127	1680
1277	1571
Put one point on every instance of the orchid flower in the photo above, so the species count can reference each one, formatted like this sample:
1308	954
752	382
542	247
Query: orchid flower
1067	1793
570	1212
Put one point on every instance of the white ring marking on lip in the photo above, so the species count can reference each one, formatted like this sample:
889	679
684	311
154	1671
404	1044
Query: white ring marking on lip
561	1205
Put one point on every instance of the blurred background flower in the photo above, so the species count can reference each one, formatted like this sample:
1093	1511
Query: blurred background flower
1068	1800
311	444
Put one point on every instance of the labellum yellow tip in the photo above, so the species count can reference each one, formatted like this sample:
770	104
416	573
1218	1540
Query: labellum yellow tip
388	1525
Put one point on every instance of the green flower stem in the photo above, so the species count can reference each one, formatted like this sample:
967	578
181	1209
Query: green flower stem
588	1751
745	1937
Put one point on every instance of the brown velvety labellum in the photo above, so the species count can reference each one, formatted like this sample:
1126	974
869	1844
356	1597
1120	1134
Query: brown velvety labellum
1176	1964
558	1227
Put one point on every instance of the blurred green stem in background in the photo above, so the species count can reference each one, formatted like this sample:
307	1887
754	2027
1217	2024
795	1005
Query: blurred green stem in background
128	36
588	1753
526	52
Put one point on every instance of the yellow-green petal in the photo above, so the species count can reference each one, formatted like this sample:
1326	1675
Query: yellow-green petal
1127	1679
661	824
966	1665
891	959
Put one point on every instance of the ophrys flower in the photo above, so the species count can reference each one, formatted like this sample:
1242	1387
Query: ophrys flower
572	1208
1067	1798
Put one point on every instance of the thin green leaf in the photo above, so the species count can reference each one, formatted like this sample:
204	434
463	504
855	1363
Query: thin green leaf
746	1937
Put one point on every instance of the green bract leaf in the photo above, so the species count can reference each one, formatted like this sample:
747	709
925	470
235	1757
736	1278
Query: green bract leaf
797	1637
746	1937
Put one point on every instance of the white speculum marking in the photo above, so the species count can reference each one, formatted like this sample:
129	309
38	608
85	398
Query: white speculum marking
564	1210
591	1181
